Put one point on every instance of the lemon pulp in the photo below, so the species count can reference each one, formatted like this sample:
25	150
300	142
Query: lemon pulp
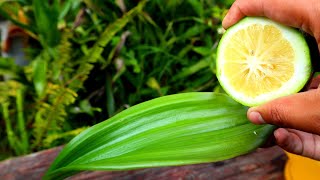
258	60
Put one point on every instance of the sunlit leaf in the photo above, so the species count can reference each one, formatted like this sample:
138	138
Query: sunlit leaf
173	130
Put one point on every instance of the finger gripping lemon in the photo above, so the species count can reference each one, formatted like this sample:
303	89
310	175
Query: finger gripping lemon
259	60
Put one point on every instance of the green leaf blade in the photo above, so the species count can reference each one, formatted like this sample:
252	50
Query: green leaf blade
181	129
40	76
46	17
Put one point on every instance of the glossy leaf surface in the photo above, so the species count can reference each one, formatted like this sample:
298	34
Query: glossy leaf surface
173	130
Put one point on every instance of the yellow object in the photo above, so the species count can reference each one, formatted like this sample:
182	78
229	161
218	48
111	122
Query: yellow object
301	168
259	60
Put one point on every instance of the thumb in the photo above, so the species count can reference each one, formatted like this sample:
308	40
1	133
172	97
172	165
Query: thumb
299	111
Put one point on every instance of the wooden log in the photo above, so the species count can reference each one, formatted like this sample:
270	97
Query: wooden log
261	164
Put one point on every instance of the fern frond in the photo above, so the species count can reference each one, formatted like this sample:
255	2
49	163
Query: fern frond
62	65
12	94
8	89
83	72
51	115
51	138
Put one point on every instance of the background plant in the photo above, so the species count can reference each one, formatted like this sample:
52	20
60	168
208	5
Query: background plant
90	59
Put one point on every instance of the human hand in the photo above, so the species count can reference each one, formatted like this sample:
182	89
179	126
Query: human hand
295	13
298	115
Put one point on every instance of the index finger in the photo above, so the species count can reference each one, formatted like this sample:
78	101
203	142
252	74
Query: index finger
240	9
294	13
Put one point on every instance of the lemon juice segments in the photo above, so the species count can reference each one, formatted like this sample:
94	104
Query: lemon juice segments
259	60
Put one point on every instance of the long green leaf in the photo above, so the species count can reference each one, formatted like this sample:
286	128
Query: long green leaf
40	75
192	69
173	130
46	17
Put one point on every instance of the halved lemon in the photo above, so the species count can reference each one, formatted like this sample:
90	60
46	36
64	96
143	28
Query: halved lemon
259	60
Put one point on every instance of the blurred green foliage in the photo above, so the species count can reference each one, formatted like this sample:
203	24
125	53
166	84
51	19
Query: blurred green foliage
90	59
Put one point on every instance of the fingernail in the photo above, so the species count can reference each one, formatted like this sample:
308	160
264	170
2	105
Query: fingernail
256	117
276	133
